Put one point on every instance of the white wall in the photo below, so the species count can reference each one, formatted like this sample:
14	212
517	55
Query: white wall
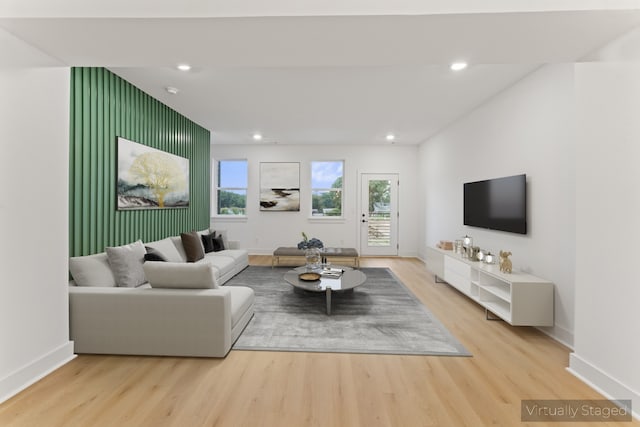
529	129
607	349
262	232
34	326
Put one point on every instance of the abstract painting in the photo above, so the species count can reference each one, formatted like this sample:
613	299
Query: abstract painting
280	186
150	179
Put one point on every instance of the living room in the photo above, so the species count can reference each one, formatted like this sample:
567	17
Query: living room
567	126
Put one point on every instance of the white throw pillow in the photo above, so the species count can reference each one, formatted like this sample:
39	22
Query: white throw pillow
180	275
92	270
126	264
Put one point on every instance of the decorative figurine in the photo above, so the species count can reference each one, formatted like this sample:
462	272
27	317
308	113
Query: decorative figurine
505	262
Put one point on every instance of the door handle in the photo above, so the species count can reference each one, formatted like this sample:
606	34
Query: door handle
364	220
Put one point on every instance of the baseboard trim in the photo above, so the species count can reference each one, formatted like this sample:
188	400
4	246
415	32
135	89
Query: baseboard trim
29	374
603	383
560	334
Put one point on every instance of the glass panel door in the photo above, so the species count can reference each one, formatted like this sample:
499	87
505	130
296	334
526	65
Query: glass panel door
379	216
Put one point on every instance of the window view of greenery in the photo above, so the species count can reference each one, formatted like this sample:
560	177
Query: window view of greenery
326	188
379	213
232	187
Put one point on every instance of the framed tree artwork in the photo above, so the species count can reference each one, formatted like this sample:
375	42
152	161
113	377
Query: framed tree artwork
149	178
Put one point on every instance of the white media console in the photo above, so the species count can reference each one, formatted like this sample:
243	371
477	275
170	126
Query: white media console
519	299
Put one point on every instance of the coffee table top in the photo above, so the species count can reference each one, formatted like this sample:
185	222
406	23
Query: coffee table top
349	279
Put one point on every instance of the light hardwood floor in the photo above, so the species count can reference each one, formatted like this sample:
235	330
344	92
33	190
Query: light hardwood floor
255	388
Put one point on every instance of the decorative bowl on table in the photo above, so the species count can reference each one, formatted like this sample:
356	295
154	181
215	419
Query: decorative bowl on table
309	276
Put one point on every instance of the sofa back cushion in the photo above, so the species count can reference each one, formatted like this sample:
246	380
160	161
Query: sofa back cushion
153	254
168	249
126	263
180	275
92	270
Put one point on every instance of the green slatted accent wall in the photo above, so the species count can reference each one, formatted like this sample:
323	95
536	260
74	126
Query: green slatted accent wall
103	107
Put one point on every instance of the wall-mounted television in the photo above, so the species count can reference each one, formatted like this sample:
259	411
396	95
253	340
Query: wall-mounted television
497	204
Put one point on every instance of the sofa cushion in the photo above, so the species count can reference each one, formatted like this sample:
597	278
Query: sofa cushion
92	270
238	255
126	263
192	244
153	254
180	275
177	241
168	249
223	264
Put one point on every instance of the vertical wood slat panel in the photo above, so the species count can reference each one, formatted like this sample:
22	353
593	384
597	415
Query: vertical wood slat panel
104	106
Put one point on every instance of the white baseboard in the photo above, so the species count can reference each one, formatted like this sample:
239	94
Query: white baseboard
603	383
22	378
560	334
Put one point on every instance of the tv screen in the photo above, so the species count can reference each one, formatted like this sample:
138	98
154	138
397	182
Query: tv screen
497	204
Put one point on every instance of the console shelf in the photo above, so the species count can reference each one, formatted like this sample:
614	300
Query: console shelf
518	298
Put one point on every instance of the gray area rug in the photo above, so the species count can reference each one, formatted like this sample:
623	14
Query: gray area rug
380	316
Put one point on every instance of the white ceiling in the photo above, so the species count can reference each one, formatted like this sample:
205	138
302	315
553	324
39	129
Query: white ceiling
329	79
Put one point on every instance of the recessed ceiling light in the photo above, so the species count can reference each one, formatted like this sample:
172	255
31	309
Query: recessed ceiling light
457	66
390	137
184	67
172	90
257	136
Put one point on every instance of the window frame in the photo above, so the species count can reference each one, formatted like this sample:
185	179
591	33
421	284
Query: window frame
217	188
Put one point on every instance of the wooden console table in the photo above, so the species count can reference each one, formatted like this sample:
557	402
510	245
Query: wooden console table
326	253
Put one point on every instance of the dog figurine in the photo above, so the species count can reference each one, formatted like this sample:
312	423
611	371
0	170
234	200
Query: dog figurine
505	262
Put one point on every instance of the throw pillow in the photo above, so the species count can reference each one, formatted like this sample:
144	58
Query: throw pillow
153	255
207	242
126	263
192	246
218	244
92	270
180	275
222	233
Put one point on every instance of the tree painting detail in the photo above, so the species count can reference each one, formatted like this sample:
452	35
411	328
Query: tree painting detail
150	179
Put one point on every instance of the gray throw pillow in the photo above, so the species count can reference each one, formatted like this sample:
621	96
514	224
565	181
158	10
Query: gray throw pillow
126	263
192	246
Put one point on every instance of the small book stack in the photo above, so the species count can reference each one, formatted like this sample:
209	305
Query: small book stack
331	273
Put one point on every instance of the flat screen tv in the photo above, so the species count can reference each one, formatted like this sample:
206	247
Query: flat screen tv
497	204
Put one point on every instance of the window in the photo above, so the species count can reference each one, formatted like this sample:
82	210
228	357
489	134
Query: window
326	188
231	187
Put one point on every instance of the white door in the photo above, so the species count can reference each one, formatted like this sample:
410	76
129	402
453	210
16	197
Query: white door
379	214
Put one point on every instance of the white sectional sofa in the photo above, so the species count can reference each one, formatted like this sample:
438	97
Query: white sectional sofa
182	311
